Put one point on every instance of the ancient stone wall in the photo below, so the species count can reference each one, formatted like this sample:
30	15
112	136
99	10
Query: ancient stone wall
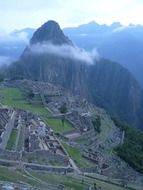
43	156
9	155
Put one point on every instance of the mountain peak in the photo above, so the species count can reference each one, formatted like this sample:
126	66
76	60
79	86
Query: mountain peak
51	32
115	25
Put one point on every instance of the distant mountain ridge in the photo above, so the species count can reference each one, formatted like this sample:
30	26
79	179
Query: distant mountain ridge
122	44
105	83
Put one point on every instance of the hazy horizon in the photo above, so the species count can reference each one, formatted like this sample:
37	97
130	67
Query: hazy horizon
2	31
18	14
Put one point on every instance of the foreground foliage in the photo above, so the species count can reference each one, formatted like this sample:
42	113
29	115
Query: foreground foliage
132	148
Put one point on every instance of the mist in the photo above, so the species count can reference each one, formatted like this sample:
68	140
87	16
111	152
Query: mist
66	51
4	60
13	37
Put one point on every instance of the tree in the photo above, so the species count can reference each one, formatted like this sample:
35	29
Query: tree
97	124
95	186
63	120
30	94
63	108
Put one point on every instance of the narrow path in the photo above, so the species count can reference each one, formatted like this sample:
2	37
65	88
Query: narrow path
77	170
45	185
35	178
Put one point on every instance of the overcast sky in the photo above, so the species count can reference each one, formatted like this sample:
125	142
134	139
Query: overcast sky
17	14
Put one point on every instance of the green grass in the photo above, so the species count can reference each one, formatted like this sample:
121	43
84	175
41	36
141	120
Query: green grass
81	140
67	181
12	140
57	125
109	184
15	98
71	182
21	138
11	175
74	182
75	154
106	126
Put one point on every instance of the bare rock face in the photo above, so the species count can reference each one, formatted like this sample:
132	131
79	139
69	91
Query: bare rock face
50	31
105	83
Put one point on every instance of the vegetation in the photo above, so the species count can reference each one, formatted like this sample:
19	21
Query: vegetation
57	125
81	140
106	126
97	124
132	148
69	182
63	108
75	182
30	94
12	140
12	175
15	98
75	154
21	139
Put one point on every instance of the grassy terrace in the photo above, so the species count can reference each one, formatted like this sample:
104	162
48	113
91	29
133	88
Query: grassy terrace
76	182
12	140
57	125
75	154
106	126
69	182
21	139
12	175
81	140
15	98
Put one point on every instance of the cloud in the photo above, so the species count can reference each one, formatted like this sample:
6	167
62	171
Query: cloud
20	36
119	29
122	28
22	13
4	60
65	51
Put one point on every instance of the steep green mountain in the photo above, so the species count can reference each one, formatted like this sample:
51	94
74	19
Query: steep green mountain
52	57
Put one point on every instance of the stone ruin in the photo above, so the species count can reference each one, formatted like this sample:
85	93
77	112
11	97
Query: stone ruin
34	139
4	117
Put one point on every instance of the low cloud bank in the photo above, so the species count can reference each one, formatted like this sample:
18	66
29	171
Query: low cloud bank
13	37
4	60
66	51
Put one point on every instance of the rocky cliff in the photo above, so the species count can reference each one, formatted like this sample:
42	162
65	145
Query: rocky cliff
103	82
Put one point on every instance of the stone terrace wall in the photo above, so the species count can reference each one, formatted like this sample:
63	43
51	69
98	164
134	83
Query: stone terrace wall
44	156
9	155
